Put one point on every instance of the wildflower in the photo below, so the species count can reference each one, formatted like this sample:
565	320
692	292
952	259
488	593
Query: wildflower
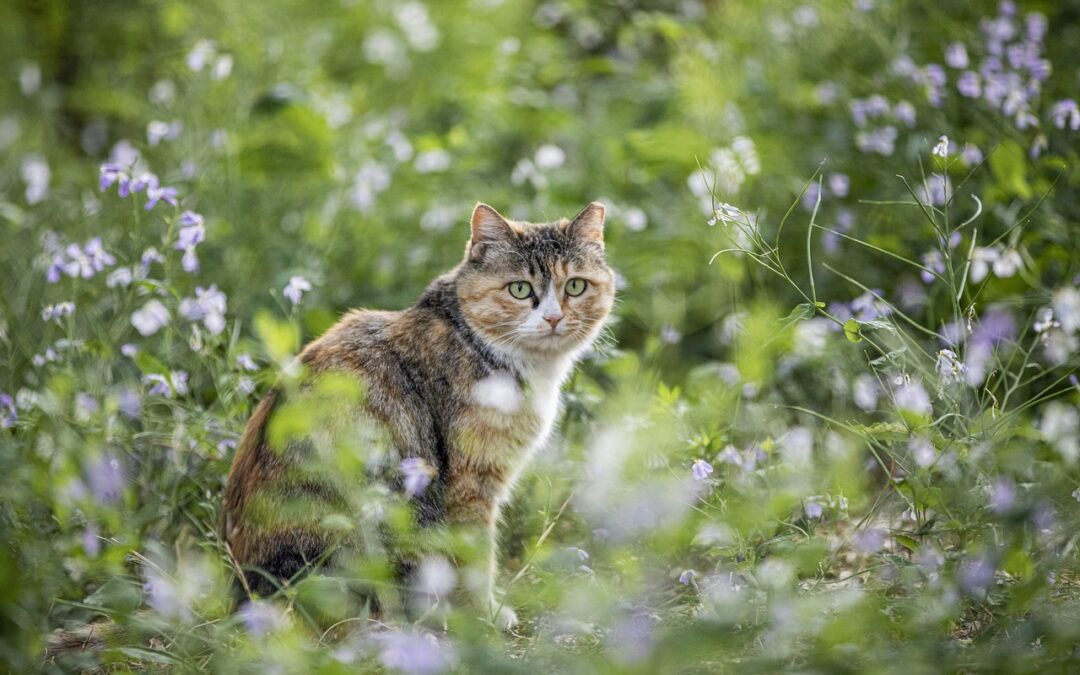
412	653
976	575
432	161
57	311
201	55
207	306
922	451
370	180
880	141
1002	495
1066	304
1044	320
1059	426
110	173
870	540
121	276
106	478
726	213
158	131
8	415
261	617
864	391
549	157
949	367
1006	264
174	384
912	397
905	112
418	474
36	174
156	194
246	362
129	403
150	318
956	55
971	154
687	577
635	219
981	260
969	85
813	510
436	577
942	147
701	469
1066	114
296	288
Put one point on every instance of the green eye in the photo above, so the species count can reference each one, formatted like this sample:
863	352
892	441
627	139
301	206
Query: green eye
520	289
575	286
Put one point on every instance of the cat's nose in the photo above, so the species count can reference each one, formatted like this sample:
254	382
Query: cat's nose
553	319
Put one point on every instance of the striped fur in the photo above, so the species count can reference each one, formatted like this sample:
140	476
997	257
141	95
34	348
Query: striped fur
467	379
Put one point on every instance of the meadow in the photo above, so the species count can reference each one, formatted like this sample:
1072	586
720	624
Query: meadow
832	426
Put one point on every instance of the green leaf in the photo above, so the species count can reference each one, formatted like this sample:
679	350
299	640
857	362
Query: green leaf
1009	165
280	338
801	312
851	330
148	364
907	542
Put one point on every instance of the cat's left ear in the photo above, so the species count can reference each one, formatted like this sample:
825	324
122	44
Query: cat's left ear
588	226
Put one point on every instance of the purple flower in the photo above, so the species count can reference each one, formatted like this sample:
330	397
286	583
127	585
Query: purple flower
150	318
207	306
91	540
412	653
1036	26
106	478
8	414
57	311
110	173
246	362
190	236
881	141
870	540
418	474
949	367
904	112
813	510
1002	495
261	617
1066	114
130	403
968	84
976	575
175	384
145	181
701	469
687	577
956	55
296	288
162	194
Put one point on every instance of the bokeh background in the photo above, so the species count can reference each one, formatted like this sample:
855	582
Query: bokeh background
847	442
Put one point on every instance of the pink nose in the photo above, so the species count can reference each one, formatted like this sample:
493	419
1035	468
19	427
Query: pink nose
553	320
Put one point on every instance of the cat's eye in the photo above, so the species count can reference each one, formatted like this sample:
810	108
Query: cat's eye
520	289
575	286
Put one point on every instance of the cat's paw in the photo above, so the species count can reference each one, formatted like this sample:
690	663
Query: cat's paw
504	618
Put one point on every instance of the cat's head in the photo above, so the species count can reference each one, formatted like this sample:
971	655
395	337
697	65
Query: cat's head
536	289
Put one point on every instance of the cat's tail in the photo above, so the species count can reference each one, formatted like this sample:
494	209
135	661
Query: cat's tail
91	637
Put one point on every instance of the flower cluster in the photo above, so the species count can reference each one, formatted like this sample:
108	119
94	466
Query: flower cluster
115	173
75	261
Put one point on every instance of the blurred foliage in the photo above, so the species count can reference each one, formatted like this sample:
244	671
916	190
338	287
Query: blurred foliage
777	466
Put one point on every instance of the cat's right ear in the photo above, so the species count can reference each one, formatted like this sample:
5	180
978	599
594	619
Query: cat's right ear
488	228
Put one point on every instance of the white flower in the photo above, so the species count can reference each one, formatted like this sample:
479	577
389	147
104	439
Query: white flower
549	156
949	367
942	147
1066	303
296	288
911	396
150	319
726	213
1008	261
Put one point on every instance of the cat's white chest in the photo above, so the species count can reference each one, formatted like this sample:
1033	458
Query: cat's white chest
527	404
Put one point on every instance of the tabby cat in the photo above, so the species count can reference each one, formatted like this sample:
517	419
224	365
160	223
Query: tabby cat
458	391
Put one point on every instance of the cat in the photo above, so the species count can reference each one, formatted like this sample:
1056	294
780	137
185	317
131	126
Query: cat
460	389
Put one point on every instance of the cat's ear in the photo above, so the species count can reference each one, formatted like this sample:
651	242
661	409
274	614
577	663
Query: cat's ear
588	226
488	228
